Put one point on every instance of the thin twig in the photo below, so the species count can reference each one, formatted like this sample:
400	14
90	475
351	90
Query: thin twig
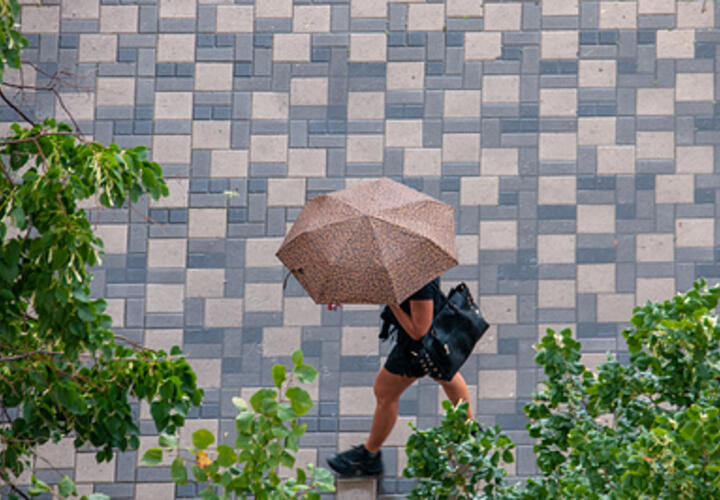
146	217
5	172
16	109
31	138
29	354
134	344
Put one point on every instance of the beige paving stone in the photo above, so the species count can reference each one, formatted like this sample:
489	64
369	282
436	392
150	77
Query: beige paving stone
359	341
309	92
208	373
464	8
207	223
368	47
270	106
655	247
596	278
596	74
694	159
498	235
273	8
596	131
556	294
616	159
229	163
488	344
557	190
694	87
114	237
60	455
655	102
502	17
356	401
88	470
154	490
679	188
26	75
164	298
281	341
260	252
286	192
302	311
97	48
223	313
656	6
558	147
167	253
234	19
405	76
556	248
191	426
615	307
205	283
368	8
403	133
293	47
497	384
498	89
178	197
213	76
211	134
422	162
261	297
654	290
172	47
675	44
560	7
694	232
462	104
163	339
595	219
655	145
426	17
173	105
558	102
116	310
113	91
483	190
80	104
461	148
178	8
39	19
559	44
365	148
483	46
119	18
499	161
618	15
268	148
80	9
401	432
311	19
695	15
467	249
366	105
307	162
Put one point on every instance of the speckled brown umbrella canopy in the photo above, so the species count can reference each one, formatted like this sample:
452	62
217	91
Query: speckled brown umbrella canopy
375	243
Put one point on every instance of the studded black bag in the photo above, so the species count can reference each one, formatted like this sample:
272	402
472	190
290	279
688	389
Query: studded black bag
455	330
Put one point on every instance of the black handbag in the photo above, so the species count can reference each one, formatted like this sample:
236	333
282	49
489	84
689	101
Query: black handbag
455	330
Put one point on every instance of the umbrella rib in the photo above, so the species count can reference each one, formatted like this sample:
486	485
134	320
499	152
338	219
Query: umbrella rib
371	219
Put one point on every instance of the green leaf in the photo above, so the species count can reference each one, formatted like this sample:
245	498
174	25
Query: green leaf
153	456
66	487
240	403
226	455
244	421
98	496
202	438
285	412
209	494
278	373
258	400
178	471
297	358
299	400
167	441
306	373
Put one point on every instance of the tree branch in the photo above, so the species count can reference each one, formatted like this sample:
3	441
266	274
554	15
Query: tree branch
34	137
30	354
15	108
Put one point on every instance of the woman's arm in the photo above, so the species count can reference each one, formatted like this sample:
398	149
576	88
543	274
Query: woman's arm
418	322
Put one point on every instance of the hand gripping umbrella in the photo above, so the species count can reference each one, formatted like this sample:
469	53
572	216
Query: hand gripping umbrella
375	243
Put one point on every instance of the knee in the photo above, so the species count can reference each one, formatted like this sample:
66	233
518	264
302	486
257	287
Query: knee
382	395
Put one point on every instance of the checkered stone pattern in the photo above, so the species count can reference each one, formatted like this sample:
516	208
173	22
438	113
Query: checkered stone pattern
577	141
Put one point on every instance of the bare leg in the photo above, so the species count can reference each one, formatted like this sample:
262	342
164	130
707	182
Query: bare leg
456	390
388	389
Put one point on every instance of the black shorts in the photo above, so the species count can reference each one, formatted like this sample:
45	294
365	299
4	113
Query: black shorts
401	360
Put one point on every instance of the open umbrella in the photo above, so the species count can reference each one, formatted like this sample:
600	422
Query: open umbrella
375	243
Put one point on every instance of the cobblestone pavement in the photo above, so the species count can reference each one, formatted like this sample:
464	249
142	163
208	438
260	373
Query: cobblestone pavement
577	141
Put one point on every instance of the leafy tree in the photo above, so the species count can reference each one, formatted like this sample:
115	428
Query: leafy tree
268	435
648	429
62	370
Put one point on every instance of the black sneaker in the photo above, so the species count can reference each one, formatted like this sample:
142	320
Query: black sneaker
357	461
